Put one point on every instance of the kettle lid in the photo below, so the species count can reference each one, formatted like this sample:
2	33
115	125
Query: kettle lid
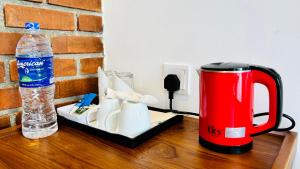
226	66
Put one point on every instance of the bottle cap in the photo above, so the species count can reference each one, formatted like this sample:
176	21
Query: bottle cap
32	26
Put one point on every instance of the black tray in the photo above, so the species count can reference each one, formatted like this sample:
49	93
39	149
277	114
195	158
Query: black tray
120	139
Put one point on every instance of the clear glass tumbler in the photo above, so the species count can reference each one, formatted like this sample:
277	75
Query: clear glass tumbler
127	77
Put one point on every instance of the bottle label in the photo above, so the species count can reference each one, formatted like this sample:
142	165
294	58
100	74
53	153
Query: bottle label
35	72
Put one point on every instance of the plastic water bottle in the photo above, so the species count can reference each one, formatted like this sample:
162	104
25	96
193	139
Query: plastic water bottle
35	67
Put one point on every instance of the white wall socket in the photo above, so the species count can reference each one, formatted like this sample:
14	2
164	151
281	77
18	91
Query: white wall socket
183	73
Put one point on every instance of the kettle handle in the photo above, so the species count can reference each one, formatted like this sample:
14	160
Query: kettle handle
271	79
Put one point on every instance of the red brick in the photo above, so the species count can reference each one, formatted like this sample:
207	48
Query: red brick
90	23
13	71
77	44
10	98
2	72
16	16
4	122
92	5
8	42
90	65
64	67
76	87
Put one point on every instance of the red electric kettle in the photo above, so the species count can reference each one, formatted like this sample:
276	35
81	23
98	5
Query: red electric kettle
226	105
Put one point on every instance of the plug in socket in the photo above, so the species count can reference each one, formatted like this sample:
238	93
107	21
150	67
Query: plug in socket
183	73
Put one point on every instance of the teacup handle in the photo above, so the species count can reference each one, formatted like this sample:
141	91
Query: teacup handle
109	116
89	112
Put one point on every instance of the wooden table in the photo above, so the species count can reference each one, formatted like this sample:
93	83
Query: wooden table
177	147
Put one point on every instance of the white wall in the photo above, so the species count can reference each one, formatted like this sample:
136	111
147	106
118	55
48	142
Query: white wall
141	35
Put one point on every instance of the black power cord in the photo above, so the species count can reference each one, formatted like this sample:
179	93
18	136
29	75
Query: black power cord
283	115
172	84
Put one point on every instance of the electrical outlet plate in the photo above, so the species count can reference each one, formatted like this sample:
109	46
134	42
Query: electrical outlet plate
183	73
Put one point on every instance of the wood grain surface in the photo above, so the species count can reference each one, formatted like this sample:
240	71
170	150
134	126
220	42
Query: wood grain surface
177	147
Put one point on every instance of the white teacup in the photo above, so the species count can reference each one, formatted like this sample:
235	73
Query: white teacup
104	119
133	119
90	114
112	120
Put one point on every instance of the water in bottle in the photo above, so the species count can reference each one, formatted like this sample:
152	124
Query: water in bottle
35	67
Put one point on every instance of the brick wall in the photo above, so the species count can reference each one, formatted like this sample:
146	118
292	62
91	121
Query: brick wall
74	28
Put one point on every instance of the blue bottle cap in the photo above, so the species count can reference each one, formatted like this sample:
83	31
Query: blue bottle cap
32	26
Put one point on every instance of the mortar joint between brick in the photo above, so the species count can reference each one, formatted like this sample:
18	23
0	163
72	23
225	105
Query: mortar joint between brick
79	56
76	21
9	85
79	76
7	72
10	111
12	119
78	66
6	60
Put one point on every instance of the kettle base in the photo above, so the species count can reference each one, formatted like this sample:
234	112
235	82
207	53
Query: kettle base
226	149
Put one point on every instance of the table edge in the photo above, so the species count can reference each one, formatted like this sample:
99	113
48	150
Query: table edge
287	152
284	159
